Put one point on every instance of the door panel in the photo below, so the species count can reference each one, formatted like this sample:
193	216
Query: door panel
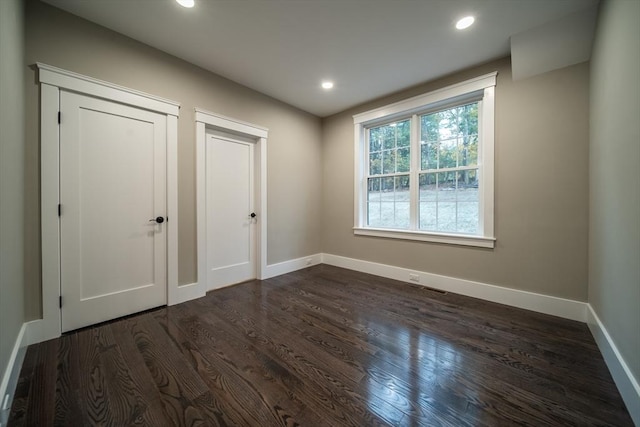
230	228
112	182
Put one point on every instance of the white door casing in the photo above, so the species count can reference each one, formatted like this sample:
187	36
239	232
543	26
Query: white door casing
112	184
52	81
230	205
207	125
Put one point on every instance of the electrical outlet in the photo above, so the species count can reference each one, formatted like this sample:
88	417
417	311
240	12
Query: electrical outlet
414	278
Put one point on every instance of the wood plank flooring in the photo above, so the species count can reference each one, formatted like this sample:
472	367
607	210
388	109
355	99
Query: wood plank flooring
322	347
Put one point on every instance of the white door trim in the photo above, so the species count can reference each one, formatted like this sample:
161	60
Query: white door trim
101	89
207	121
52	80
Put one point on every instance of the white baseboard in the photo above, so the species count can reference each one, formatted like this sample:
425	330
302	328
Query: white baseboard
189	292
568	309
292	265
624	379
574	310
34	331
37	331
194	290
12	374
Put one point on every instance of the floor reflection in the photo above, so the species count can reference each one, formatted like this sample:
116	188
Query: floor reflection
414	373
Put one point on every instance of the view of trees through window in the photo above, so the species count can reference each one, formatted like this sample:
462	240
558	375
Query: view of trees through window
447	177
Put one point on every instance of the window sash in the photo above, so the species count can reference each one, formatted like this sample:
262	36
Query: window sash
414	173
481	89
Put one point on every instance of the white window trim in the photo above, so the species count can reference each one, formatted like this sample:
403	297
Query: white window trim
480	87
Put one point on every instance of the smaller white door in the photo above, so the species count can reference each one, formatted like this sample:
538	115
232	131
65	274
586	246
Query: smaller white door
230	212
112	187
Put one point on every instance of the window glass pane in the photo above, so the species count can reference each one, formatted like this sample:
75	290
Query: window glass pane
403	159
429	127
449	202
428	202
385	218
375	163
390	148
428	216
401	215
428	187
446	196
467	218
402	196
389	161
444	163
375	140
468	180
373	214
373	201
468	135
448	154
456	130
468	150
469	119
402	187
388	136
390	206
387	189
449	124
447	185
404	133
446	205
402	199
468	202
446	216
373	189
456	121
428	155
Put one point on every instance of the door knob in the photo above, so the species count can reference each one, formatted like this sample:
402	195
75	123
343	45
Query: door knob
159	220
252	215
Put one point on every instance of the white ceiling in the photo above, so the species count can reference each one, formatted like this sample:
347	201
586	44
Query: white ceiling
284	48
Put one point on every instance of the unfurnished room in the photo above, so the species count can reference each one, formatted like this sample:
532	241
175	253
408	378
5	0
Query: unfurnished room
320	212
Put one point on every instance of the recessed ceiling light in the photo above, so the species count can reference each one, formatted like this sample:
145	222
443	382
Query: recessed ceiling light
186	3
327	85
465	22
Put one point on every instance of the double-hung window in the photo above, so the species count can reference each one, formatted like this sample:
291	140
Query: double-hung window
424	166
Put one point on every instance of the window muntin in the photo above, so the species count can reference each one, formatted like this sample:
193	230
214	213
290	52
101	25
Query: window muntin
448	178
389	156
448	193
438	186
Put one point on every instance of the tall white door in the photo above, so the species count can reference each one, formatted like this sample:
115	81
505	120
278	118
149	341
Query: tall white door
230	215
112	189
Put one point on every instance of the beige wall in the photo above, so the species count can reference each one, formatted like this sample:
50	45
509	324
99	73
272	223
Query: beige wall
543	213
11	176
614	223
294	151
541	193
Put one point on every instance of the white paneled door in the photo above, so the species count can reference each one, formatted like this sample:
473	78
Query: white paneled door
113	225
230	216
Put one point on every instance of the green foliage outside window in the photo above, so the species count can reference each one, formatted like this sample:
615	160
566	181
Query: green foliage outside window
447	176
389	148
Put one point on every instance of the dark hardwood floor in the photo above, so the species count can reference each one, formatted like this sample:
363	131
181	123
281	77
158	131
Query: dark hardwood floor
322	347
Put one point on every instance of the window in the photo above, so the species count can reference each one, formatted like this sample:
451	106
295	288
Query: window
424	167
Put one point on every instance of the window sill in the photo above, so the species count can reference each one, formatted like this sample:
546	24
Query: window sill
450	239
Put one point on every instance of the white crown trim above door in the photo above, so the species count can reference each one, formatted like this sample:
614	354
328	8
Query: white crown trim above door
100	89
52	80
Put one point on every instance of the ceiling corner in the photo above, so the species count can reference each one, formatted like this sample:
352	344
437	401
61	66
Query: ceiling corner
557	44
